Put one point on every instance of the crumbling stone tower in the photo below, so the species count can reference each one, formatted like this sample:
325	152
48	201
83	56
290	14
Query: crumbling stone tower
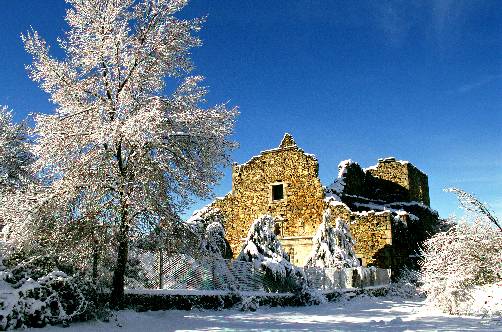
389	208
395	181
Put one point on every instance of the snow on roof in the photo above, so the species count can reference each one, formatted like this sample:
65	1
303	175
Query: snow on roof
280	148
386	160
374	167
337	186
393	159
197	215
412	203
219	198
311	155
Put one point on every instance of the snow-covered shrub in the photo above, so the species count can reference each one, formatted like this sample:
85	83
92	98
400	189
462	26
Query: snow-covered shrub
38	226
264	250
333	247
250	303
214	242
31	297
406	285
486	301
460	259
303	294
207	224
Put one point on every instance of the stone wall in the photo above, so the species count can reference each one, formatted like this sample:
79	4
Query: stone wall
397	181
382	238
372	232
418	185
355	277
298	213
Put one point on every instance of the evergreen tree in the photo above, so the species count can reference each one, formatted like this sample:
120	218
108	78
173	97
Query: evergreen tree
262	248
332	247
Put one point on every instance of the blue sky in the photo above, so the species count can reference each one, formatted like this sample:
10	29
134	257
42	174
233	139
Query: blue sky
418	80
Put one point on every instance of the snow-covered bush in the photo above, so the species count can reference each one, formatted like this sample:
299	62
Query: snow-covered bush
332	247
32	297
207	223
250	303
458	260
407	284
486	301
214	242
264	250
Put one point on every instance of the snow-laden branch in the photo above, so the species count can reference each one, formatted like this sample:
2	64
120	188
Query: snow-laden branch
472	204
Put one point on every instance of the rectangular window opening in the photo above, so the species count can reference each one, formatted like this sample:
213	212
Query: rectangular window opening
277	228
277	192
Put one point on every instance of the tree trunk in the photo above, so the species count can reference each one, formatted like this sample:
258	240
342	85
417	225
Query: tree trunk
161	267
117	296
95	261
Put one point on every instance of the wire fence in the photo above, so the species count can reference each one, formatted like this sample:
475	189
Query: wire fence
180	271
158	270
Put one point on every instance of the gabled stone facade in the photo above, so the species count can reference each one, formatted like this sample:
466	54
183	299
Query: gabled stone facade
256	190
380	203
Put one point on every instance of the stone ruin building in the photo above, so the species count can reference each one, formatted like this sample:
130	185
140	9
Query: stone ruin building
387	205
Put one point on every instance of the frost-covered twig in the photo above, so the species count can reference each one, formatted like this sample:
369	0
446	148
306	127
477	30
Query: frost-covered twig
470	203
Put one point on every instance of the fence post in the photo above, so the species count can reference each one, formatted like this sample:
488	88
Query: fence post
161	267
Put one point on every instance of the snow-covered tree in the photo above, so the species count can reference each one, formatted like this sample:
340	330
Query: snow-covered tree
214	240
264	250
35	223
332	247
207	223
15	156
467	255
116	135
18	188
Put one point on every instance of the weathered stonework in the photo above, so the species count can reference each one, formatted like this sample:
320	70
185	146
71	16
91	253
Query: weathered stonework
371	230
400	180
298	213
284	183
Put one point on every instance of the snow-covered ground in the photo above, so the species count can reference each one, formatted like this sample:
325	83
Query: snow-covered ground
358	314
